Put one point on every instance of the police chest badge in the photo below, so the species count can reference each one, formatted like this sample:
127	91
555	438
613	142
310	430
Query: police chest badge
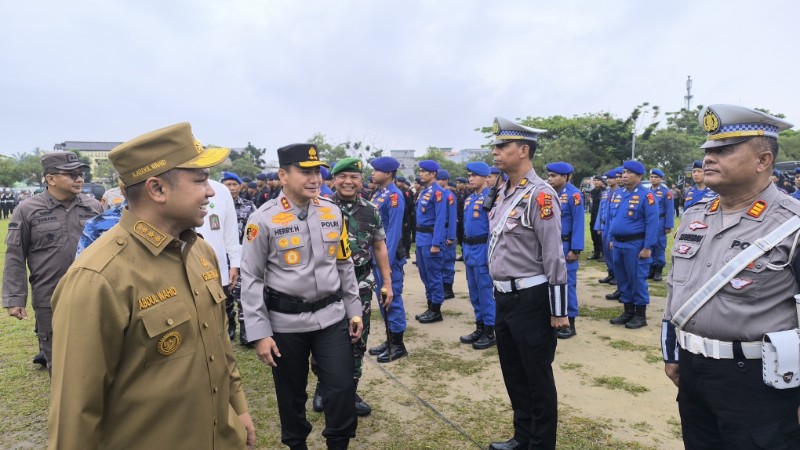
169	343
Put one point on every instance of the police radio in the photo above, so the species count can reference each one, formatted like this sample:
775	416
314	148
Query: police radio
493	191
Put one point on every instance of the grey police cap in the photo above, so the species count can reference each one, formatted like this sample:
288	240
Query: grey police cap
506	131
732	124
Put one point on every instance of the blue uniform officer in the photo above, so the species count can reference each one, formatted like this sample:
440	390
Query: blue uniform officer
559	175
666	222
431	236
391	205
324	190
633	227
475	249
449	255
699	191
796	193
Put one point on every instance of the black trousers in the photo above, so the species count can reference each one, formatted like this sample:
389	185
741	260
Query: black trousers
724	404
526	344
334	356
597	239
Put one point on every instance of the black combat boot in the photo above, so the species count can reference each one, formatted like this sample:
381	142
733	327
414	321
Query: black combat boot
424	312
475	335
40	359
432	315
607	279
448	291
595	255
625	317
317	402
487	339
614	295
650	272
639	320
658	273
398	349
567	333
375	351
362	408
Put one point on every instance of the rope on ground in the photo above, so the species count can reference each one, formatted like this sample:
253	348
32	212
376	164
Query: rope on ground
424	403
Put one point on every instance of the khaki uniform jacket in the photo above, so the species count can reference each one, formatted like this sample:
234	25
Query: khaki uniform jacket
141	355
759	299
44	234
308	259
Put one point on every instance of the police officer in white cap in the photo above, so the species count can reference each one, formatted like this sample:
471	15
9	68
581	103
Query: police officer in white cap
729	289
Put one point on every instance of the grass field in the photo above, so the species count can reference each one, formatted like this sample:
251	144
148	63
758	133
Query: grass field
398	421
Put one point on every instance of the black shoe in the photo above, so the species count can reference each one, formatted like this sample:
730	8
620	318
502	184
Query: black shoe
595	255
639	320
650	272
614	295
459	258
510	444
567	333
362	408
487	339
398	351
431	317
40	359
448	291
474	336
317	403
417	316
246	344
375	351
625	317
613	282
606	279
658	273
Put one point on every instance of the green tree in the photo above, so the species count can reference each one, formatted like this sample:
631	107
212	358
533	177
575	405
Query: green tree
789	143
244	167
8	175
669	150
254	154
104	171
327	152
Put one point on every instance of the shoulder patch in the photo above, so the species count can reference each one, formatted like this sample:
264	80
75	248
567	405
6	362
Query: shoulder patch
438	196
576	197
545	202
669	195
251	232
650	199
394	200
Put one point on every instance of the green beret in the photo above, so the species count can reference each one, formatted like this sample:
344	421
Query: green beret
348	165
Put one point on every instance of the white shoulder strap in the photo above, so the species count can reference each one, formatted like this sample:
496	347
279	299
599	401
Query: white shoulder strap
731	269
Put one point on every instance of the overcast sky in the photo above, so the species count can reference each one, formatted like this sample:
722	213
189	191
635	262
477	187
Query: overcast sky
399	75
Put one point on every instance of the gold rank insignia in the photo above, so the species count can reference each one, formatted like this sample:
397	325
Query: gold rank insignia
331	250
285	204
332	235
292	257
523	182
758	207
715	205
251	232
295	240
710	121
283	218
148	233
169	343
203	262
198	146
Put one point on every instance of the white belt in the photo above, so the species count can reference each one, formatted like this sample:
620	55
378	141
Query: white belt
519	283
712	348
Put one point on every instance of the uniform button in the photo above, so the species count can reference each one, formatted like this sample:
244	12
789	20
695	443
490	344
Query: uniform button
758	266
727	259
169	321
211	357
120	241
708	264
205	324
196	292
785	202
719	236
693	321
214	390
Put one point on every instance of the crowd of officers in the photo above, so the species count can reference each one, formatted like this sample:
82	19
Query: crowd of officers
321	245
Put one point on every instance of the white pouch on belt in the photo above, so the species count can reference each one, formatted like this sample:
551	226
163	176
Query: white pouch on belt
780	358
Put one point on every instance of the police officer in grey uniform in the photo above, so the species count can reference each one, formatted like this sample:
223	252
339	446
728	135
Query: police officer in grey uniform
44	233
300	296
529	272
723	399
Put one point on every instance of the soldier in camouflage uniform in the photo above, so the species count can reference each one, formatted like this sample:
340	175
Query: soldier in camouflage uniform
367	238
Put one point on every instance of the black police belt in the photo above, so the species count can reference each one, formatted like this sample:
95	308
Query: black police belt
421	229
473	240
566	238
630	237
363	271
285	303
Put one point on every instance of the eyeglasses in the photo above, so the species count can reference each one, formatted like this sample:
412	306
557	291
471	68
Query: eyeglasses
73	175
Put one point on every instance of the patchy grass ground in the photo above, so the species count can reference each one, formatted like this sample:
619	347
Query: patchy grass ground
607	379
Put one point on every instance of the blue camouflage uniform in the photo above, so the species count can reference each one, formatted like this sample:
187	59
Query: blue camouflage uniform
431	216
796	193
572	231
666	220
633	227
391	206
475	250
98	225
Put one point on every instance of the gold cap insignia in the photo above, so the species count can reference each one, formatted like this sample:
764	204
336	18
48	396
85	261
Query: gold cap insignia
312	153
170	343
360	166
148	233
710	121
496	127
198	146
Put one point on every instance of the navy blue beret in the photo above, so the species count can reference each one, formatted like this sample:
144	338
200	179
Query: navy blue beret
461	180
230	176
442	175
611	174
252	185
402	179
385	164
797	170
261	176
418	180
479	168
429	165
657	172
247	179
494	169
697	164
325	173
634	166
560	168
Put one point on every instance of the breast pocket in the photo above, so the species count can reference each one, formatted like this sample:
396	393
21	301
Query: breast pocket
169	331
331	238
292	252
746	285
47	235
683	262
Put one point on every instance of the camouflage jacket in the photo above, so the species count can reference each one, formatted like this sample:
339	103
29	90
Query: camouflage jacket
364	227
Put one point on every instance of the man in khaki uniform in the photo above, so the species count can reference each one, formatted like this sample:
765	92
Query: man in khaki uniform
716	359
141	356
300	297
44	233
